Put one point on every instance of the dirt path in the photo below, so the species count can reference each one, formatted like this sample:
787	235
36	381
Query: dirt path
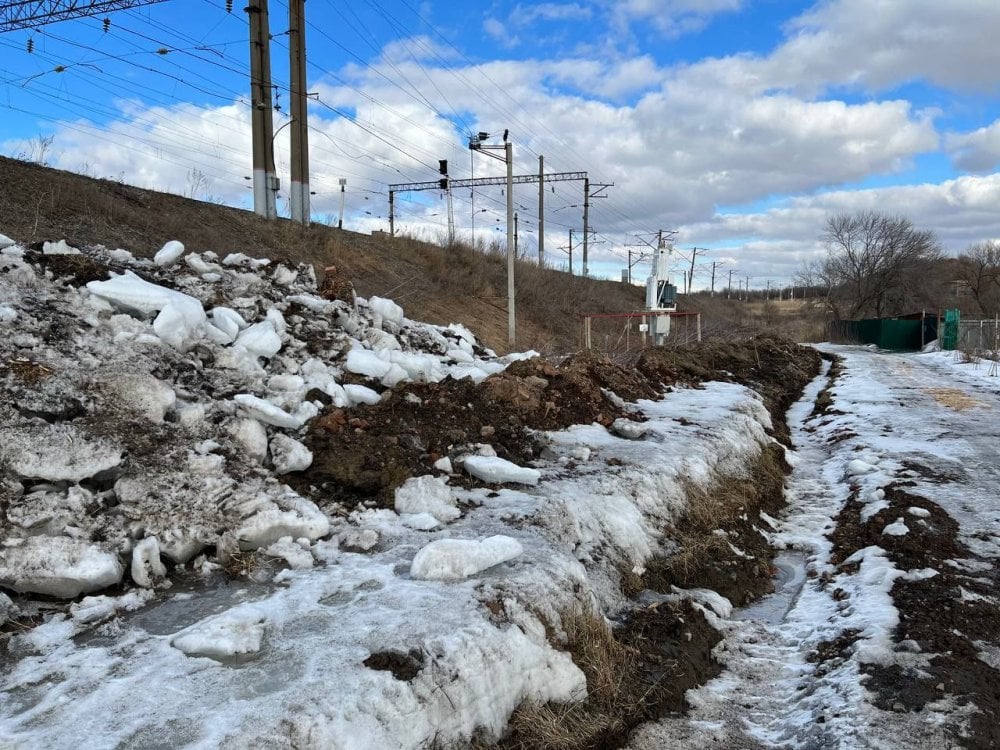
894	509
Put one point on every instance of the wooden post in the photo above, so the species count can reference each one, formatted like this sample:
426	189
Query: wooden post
586	332
698	320
644	329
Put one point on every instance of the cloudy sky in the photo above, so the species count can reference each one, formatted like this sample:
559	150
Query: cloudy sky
741	124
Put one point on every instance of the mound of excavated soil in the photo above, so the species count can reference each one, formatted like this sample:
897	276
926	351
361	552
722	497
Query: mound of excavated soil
368	452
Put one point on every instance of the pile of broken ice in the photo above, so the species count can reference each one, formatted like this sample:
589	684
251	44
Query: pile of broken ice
153	414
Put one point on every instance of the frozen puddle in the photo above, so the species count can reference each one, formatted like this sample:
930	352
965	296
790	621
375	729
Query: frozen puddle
789	578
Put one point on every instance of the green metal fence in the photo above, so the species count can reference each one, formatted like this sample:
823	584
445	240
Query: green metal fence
896	334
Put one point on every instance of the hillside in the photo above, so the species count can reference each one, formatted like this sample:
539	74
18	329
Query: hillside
434	284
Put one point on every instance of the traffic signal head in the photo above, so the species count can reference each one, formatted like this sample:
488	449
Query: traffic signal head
443	166
443	183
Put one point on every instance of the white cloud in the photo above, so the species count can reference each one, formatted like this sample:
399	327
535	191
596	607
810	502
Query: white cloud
978	151
525	15
878	44
672	18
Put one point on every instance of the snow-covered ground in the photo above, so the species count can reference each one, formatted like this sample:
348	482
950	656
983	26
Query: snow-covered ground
153	417
924	420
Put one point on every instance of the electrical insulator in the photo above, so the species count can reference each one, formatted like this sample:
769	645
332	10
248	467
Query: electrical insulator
162	51
31	45
106	24
229	6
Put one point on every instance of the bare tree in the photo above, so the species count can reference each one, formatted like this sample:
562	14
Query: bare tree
979	267
874	264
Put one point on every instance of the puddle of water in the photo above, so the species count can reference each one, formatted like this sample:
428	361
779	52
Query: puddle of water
788	581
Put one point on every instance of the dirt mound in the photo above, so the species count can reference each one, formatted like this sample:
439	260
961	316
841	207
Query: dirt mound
372	449
776	368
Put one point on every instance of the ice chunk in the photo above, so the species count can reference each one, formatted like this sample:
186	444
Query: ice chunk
386	310
228	320
181	322
267	412
6	241
260	339
363	362
141	393
7	314
898	528
94	608
58	248
360	394
8	610
252	436
169	254
857	467
56	452
629	429
223	636
427	494
500	470
288	455
419	521
277	320
197	264
147	568
57	566
443	464
292	516
450	559
297	557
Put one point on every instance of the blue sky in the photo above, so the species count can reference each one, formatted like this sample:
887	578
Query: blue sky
741	124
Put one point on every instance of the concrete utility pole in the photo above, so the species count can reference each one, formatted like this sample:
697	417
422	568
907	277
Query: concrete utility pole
712	288
299	198
541	211
586	227
515	235
265	182
343	185
570	252
695	252
508	153
476	144
747	288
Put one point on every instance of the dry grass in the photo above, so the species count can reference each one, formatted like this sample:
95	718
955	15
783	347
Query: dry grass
615	694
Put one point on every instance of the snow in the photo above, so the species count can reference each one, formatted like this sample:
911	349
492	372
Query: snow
451	559
6	242
57	566
499	470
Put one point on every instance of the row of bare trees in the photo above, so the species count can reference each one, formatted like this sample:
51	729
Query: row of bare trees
879	265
